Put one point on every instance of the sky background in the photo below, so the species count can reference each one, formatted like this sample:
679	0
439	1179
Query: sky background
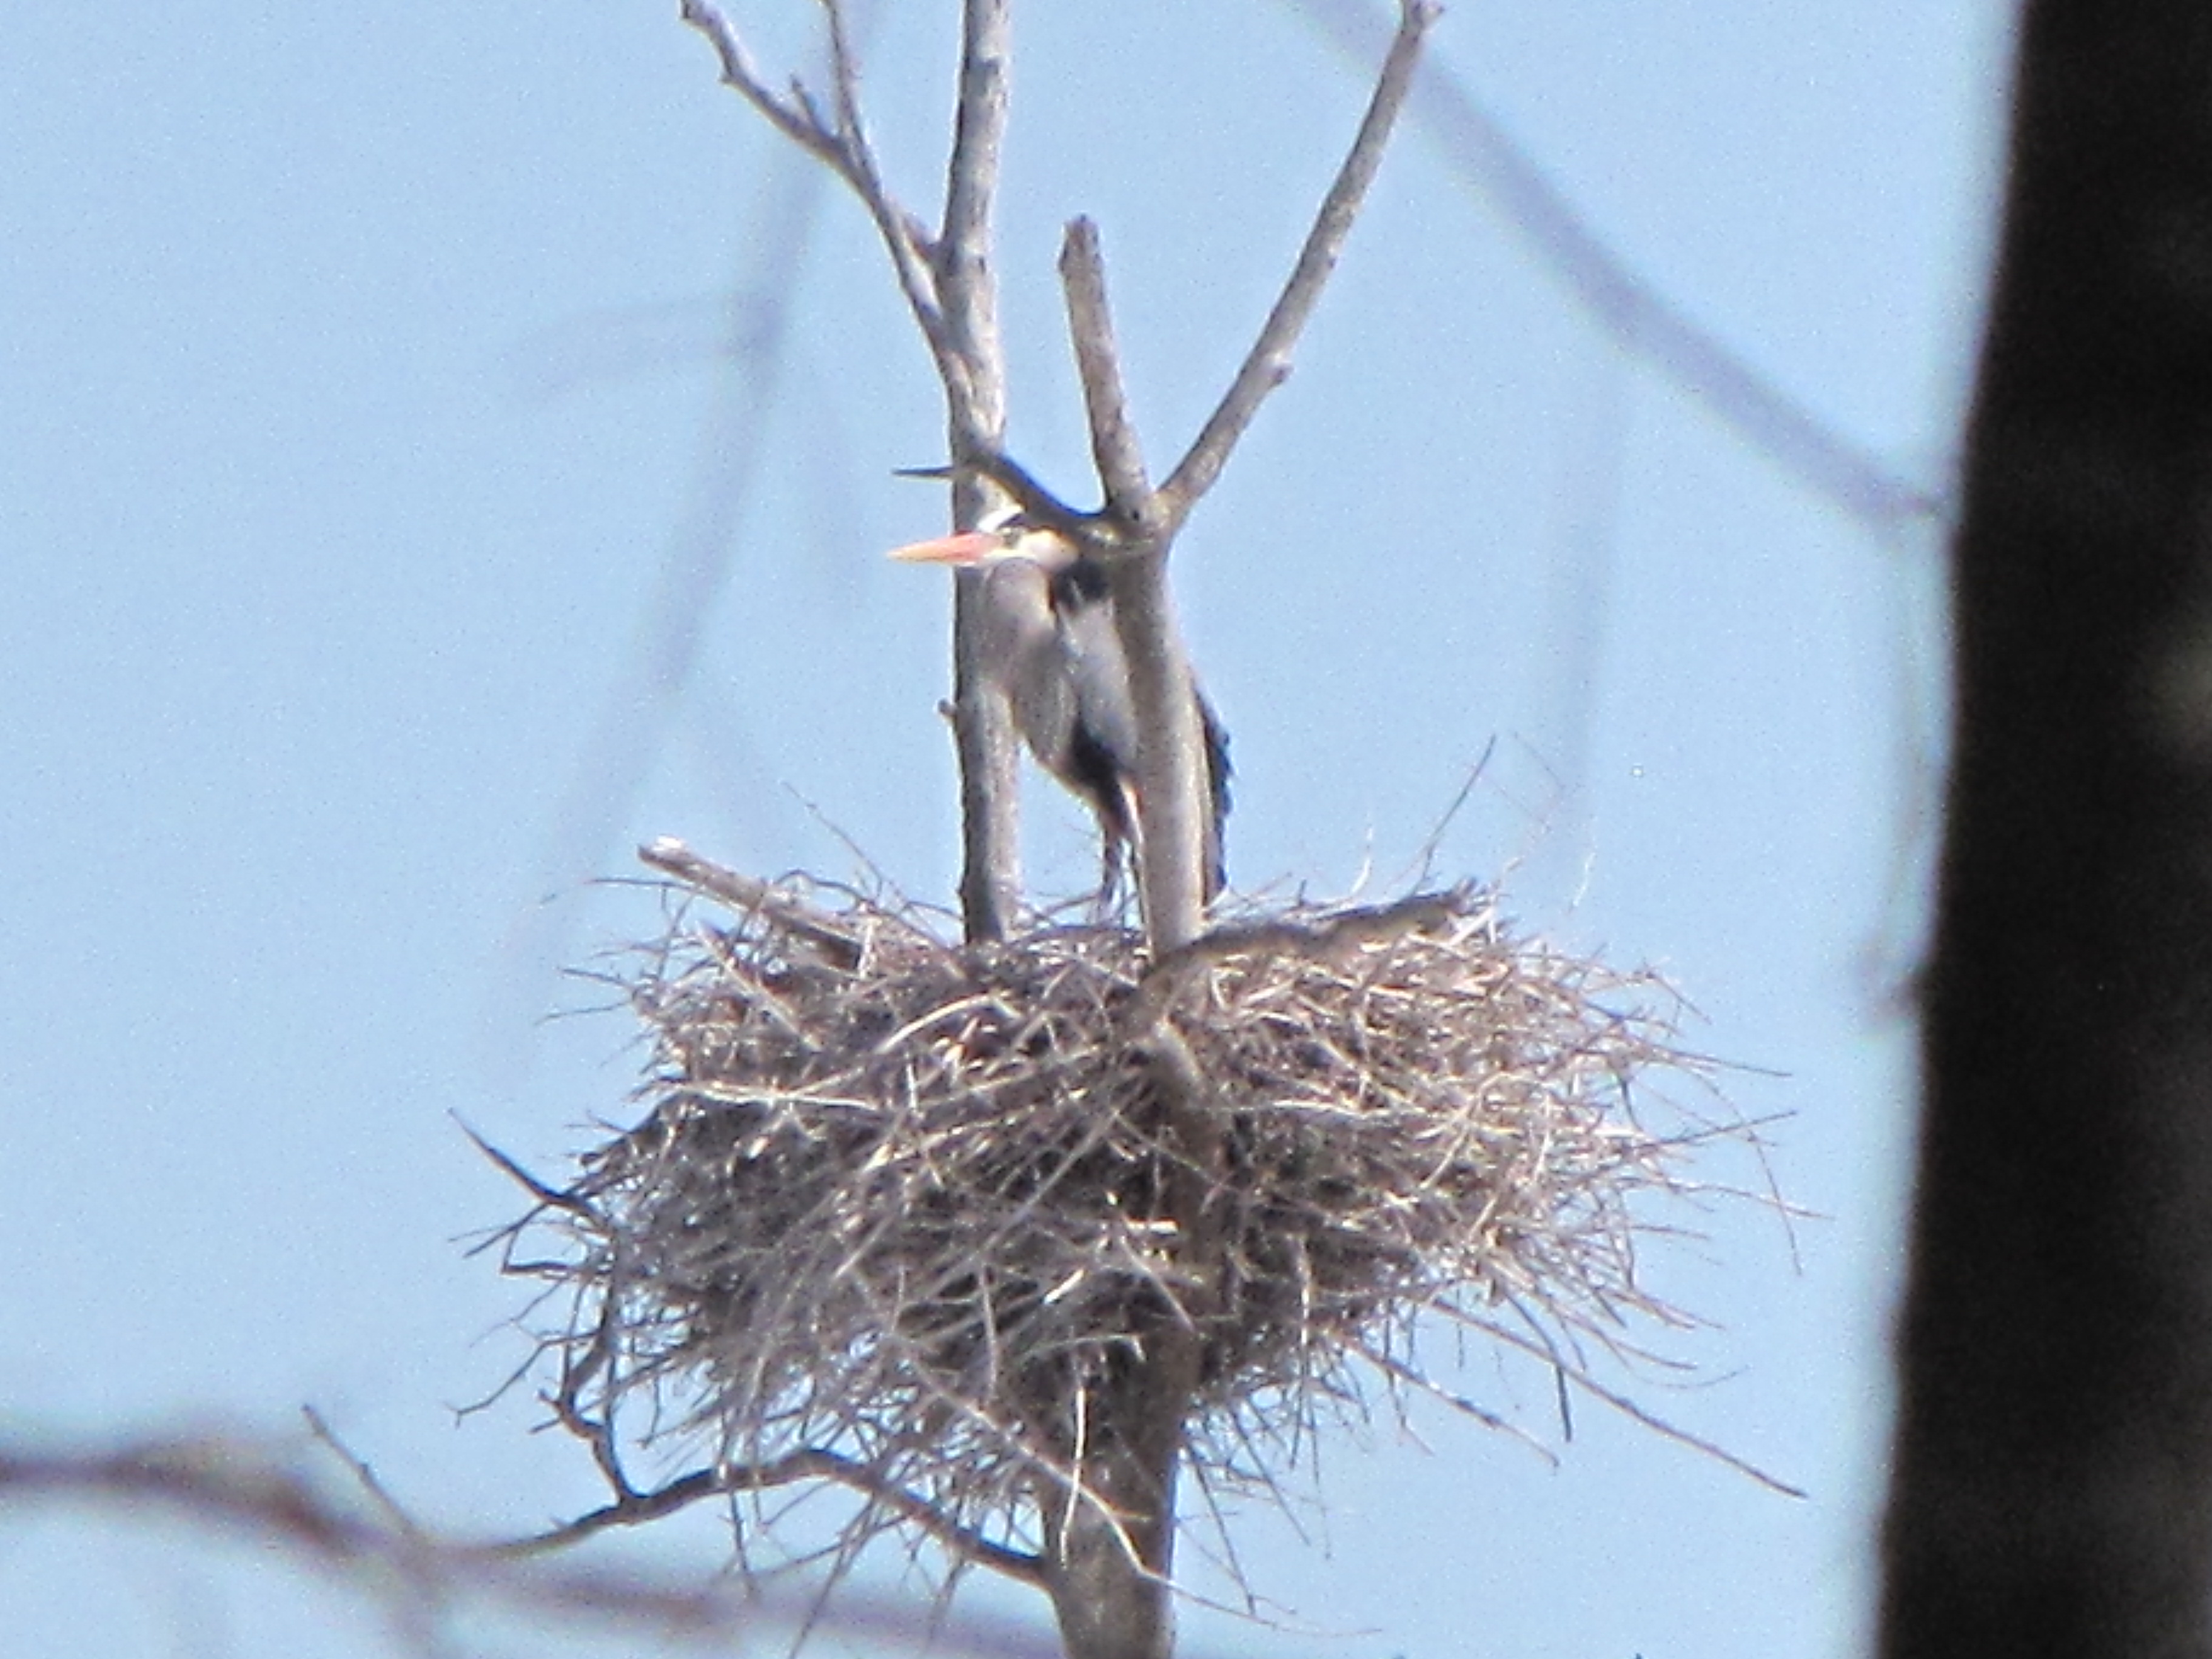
442	447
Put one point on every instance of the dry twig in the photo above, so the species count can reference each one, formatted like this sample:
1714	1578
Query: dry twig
841	144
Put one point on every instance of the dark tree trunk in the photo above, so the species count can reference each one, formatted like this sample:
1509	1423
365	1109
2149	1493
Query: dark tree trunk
2052	1481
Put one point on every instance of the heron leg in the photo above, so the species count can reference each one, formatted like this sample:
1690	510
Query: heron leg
1113	867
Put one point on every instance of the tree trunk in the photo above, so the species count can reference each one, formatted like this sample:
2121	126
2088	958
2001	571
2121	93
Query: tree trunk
2052	1479
1112	1603
975	421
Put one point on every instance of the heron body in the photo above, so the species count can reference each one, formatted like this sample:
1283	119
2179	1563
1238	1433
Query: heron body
1050	637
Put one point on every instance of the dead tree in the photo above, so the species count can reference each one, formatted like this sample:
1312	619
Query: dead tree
1108	1559
1007	1237
2051	1490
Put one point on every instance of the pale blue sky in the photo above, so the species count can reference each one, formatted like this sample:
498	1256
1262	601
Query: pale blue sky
366	393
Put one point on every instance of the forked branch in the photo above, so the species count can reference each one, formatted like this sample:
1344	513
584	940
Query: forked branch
1140	523
841	143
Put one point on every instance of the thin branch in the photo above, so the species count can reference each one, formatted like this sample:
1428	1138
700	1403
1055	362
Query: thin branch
368	1479
1330	941
222	1480
636	1509
1333	939
902	234
844	149
795	117
839	946
225	1482
552	1198
1402	1375
1581	1378
1113	445
1268	362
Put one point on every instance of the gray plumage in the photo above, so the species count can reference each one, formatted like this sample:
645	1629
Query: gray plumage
1050	634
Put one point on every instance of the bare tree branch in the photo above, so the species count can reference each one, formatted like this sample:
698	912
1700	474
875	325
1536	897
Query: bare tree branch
965	281
1171	790
795	118
1580	1377
1331	941
636	1509
1141	522
257	1489
1269	360
844	149
1110	1567
949	288
551	1197
976	420
902	234
1113	447
990	762
840	947
1171	744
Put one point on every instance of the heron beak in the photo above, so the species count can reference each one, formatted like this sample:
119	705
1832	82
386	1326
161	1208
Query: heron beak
970	547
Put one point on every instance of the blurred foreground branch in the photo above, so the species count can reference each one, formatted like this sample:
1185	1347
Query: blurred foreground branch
2051	1476
355	1532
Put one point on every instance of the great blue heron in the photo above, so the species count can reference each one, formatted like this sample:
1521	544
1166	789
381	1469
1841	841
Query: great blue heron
1050	637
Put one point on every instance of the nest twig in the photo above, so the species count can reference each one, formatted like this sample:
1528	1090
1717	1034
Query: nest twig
897	1203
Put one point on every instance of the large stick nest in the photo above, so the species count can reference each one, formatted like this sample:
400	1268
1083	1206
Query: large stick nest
898	1203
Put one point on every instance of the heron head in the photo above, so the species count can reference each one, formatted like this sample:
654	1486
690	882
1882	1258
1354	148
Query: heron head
1005	533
